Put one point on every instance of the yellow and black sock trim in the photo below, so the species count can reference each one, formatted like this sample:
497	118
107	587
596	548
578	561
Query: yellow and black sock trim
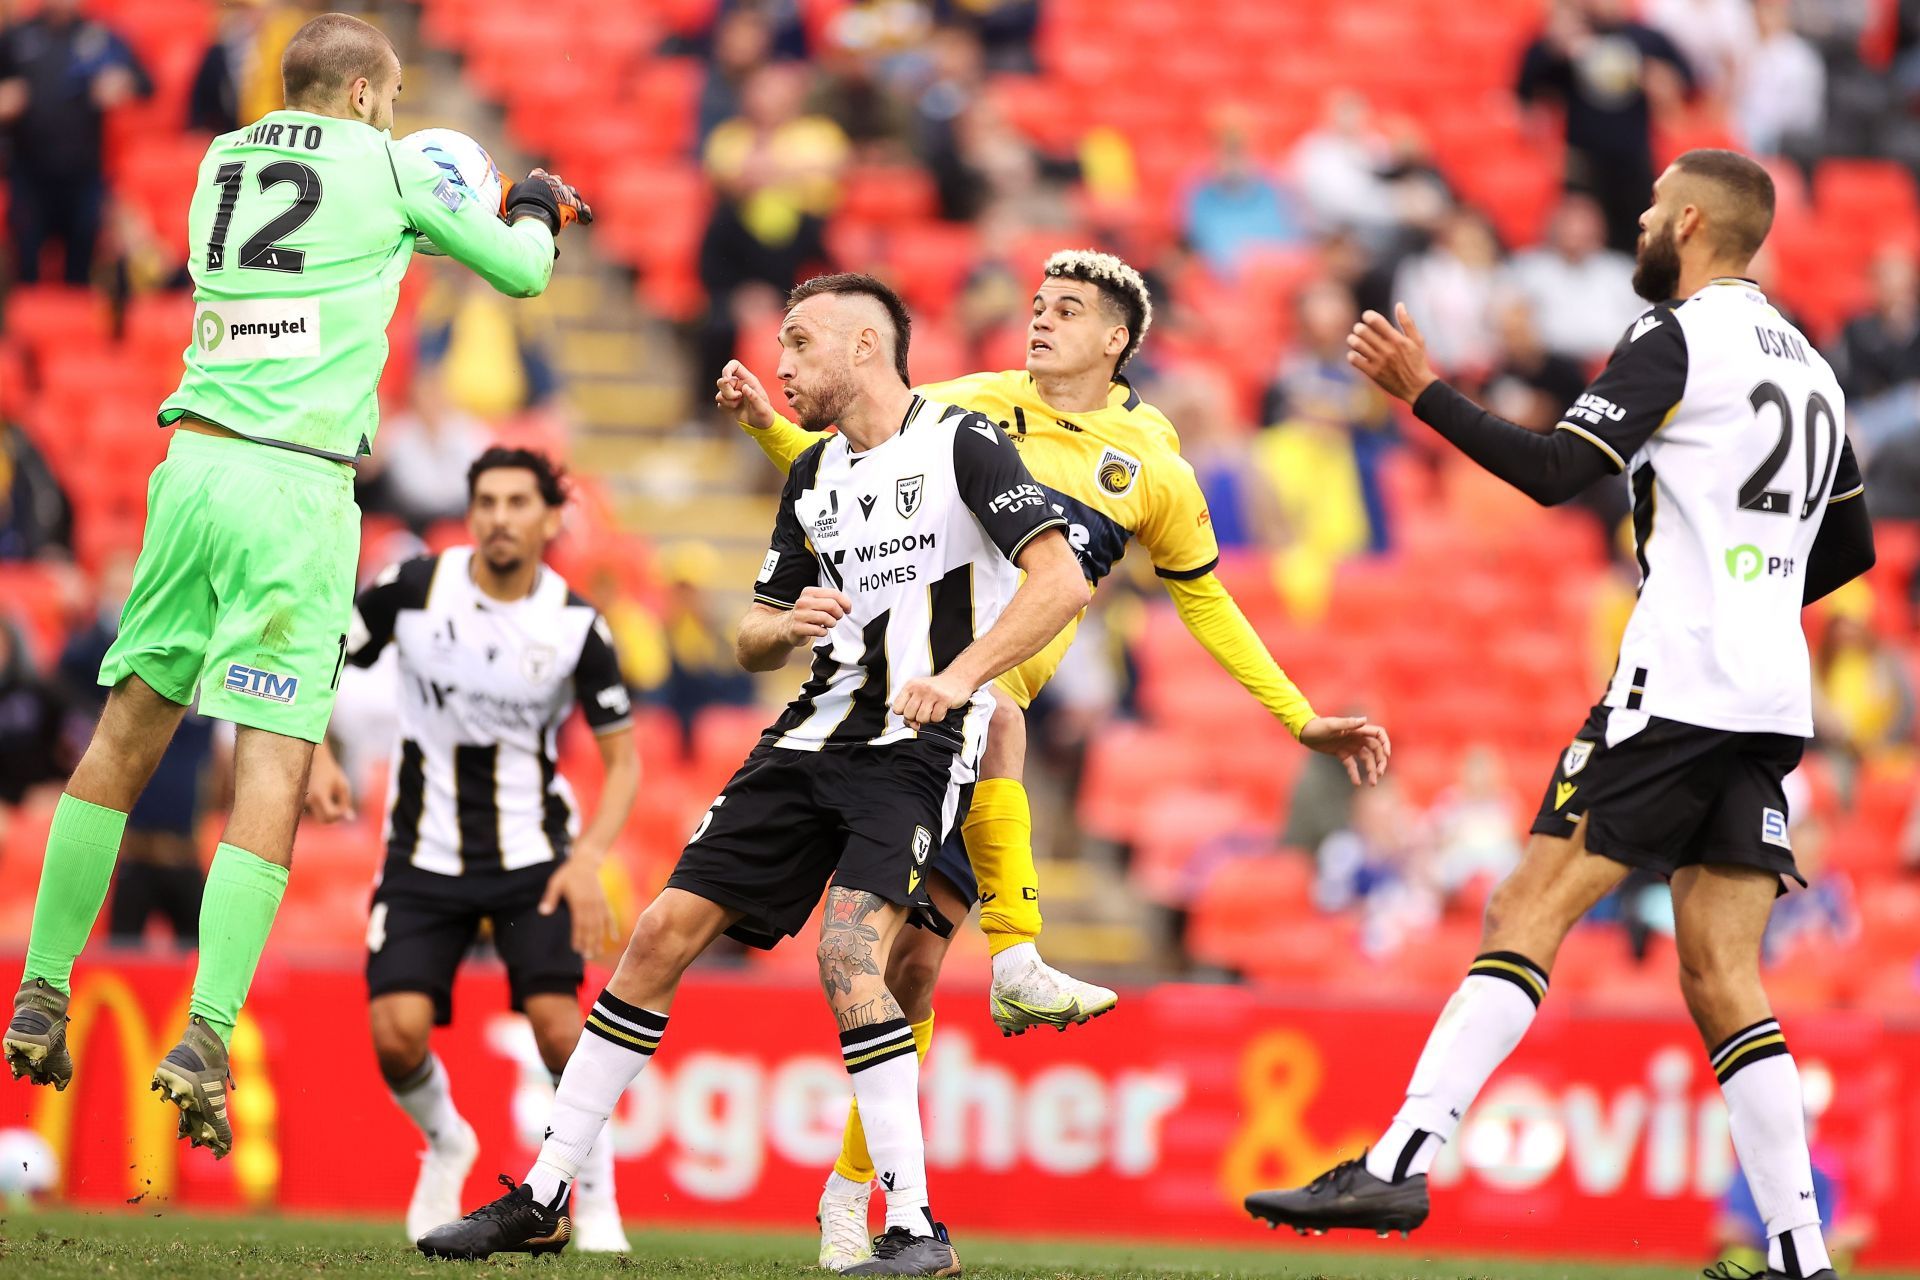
1511	966
1743	1048
866	1047
629	1026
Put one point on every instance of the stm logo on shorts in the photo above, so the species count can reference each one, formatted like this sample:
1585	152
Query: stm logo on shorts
1773	828
267	685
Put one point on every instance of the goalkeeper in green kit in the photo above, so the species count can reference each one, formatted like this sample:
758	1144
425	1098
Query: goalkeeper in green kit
301	227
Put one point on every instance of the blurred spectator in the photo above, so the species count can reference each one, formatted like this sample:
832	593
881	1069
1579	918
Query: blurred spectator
239	76
870	49
1199	402
742	44
952	85
1717	37
1316	382
690	666
1235	207
1609	74
491	350
1477	825
776	175
1878	357
1533	387
1863	697
1006	29
1581	291
1450	289
1780	103
33	714
1382	865
60	73
36	519
142	260
1336	169
423	456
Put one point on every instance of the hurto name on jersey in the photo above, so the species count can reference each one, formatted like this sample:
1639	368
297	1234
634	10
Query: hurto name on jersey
240	332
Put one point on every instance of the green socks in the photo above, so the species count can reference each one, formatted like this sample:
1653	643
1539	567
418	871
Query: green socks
81	849
236	914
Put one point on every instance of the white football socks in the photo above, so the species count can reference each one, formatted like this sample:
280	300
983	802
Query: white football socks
1008	964
427	1099
1767	1117
621	1037
1479	1027
886	1083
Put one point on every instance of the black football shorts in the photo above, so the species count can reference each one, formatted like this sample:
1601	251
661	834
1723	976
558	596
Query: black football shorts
424	923
862	817
1662	795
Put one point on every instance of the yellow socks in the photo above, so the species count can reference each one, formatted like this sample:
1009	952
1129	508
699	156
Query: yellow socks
854	1164
999	835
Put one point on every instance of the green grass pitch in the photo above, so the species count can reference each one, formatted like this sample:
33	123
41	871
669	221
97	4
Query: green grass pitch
66	1245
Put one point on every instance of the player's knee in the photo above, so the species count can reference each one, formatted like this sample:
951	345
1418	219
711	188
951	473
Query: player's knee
911	975
660	946
1006	751
1713	977
399	1048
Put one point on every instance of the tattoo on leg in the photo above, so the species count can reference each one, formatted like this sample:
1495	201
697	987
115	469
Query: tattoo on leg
847	941
867	1013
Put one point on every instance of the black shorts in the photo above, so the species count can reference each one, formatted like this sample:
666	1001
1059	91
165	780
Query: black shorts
1669	795
789	822
424	923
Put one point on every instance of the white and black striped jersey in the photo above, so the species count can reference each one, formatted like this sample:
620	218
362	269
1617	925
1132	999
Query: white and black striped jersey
484	687
920	532
1733	431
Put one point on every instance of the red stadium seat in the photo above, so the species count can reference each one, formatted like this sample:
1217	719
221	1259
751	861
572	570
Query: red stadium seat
1245	902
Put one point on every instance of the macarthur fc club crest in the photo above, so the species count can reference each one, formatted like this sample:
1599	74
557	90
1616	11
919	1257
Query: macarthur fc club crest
907	492
536	664
1576	757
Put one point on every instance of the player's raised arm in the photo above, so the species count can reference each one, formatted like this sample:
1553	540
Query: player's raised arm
516	256
1619	412
1178	535
738	392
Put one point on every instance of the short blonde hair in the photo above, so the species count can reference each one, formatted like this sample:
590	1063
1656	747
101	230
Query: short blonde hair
1120	286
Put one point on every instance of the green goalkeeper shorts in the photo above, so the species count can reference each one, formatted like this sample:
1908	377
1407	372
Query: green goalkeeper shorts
244	586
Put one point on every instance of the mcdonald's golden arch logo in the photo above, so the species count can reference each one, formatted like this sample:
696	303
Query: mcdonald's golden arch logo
103	997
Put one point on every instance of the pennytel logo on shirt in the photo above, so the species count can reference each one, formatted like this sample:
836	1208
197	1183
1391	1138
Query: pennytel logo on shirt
267	329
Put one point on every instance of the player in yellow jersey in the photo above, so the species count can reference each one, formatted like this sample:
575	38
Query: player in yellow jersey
1111	464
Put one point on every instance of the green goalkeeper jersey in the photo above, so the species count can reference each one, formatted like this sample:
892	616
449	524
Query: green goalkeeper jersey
300	230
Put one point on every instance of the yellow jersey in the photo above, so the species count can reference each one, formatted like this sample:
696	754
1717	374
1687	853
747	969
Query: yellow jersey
1116	474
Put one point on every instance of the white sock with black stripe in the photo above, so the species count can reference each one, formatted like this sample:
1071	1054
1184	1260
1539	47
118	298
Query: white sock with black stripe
886	1083
620	1038
427	1099
1767	1118
1476	1031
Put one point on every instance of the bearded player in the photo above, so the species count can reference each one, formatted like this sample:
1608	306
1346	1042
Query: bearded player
1111	465
301	227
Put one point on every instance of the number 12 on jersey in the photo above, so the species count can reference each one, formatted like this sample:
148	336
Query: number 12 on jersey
260	252
1755	495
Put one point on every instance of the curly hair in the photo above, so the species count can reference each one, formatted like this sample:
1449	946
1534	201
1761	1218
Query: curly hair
1121	289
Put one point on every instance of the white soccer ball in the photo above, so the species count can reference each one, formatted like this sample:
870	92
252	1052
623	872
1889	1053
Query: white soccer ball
28	1166
467	166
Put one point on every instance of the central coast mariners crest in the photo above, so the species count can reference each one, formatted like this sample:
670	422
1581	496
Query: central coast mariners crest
536	664
1576	757
907	492
1117	472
